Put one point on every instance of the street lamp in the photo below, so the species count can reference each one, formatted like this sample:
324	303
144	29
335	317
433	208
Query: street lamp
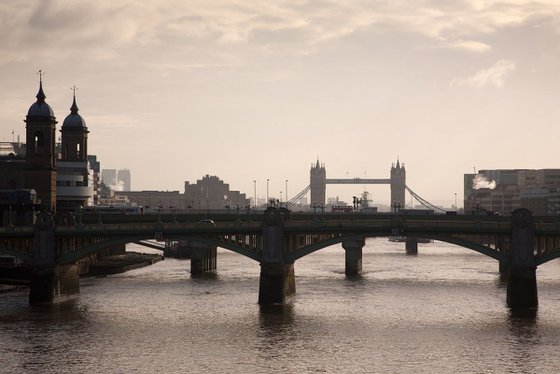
255	195
287	193
268	180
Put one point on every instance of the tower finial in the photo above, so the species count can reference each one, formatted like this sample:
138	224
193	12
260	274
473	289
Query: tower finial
40	95
74	108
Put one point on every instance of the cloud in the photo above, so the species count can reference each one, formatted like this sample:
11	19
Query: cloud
493	76
471	46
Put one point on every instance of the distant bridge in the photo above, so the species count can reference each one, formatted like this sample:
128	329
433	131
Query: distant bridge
277	238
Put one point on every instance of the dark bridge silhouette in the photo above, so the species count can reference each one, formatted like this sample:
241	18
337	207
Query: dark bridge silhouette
277	238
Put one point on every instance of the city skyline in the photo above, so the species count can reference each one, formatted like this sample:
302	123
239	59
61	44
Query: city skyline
260	91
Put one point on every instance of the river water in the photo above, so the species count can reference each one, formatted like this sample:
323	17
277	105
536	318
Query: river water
442	311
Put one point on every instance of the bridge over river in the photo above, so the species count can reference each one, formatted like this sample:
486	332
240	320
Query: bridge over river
277	238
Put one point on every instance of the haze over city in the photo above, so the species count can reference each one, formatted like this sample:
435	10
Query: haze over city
254	90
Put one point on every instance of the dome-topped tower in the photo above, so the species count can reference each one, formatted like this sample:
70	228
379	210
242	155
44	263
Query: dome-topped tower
74	119
40	108
74	135
40	155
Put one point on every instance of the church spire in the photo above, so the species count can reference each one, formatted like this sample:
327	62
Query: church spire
40	95
74	108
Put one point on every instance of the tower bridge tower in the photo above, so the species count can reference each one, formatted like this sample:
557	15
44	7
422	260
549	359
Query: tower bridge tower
398	184
318	184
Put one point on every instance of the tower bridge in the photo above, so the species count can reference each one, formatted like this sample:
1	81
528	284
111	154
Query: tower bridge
277	238
318	183
397	182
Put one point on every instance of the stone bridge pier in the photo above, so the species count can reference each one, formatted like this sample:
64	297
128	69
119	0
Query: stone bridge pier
50	282
203	257
277	279
353	255
522	280
411	245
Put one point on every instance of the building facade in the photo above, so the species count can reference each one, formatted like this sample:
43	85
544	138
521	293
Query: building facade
504	190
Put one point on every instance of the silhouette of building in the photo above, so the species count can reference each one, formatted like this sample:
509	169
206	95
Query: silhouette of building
59	174
151	201
212	193
318	183
40	153
74	181
398	184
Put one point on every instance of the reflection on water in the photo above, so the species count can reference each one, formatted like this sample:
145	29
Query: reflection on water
442	311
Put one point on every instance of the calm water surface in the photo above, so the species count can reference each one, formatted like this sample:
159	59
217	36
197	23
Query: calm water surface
442	311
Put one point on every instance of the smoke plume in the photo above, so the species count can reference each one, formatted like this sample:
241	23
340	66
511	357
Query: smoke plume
479	181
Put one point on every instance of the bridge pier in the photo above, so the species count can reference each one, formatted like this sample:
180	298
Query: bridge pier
50	282
503	268
277	280
411	245
203	258
522	280
353	255
55	284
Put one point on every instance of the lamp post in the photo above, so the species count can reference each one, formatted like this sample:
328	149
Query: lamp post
255	192
286	193
267	180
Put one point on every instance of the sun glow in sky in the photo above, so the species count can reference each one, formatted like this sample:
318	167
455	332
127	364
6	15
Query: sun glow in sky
257	90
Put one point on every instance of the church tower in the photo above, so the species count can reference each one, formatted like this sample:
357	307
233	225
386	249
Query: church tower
74	135
318	184
40	156
398	185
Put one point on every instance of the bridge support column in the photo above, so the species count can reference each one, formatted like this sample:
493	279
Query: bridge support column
353	255
277	281
504	267
522	280
50	282
203	258
55	284
411	245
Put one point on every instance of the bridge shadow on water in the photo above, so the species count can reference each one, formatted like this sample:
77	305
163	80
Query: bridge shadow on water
206	276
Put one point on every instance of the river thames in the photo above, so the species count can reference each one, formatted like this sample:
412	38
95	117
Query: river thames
442	311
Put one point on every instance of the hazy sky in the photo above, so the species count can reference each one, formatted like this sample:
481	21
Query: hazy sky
250	90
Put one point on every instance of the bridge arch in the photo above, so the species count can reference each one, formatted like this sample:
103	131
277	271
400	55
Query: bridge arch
93	248
308	249
25	257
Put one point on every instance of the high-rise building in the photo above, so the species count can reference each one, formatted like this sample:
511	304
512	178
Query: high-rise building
123	179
